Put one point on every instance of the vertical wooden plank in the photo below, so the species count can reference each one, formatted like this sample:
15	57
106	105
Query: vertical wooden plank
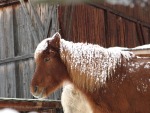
2	81
2	87
130	34
146	34
25	45
18	49
26	78
140	36
121	31
112	30
100	27
54	25
7	51
31	65
2	41
2	56
11	81
48	19
37	19
29	21
75	32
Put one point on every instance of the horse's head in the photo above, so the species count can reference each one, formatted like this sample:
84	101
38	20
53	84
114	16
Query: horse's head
50	70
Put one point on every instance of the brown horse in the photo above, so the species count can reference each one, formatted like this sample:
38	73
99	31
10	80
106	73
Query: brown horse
113	81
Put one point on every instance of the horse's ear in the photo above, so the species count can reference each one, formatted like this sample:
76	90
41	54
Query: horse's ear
56	40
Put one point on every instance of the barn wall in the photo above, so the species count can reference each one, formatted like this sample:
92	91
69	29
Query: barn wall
16	39
137	12
102	26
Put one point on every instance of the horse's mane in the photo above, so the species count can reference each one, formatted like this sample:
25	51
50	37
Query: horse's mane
90	65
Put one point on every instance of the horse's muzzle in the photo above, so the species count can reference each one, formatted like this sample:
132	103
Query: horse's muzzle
37	92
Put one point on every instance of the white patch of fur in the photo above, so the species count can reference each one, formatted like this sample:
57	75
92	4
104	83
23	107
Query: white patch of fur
41	47
147	66
90	65
73	101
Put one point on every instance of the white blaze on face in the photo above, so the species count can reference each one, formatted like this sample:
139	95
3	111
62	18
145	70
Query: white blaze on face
43	45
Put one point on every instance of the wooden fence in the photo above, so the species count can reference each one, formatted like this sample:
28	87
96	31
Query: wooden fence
19	36
26	105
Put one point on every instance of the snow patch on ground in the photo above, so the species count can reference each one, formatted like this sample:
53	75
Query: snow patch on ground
9	110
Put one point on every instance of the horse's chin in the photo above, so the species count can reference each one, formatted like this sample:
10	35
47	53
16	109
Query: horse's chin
40	95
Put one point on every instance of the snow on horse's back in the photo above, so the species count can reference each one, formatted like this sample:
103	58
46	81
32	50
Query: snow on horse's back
112	80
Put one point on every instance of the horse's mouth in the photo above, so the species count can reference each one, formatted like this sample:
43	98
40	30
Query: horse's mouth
39	94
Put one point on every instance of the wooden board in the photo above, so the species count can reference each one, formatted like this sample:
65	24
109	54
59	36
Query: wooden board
30	104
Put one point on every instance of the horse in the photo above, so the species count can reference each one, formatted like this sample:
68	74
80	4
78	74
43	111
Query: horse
111	80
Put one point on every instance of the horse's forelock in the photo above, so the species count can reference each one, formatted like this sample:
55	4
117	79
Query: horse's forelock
42	46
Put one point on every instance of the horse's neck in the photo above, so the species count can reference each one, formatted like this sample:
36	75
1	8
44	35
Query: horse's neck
90	65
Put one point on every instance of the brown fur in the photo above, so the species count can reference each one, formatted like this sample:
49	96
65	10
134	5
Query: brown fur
127	90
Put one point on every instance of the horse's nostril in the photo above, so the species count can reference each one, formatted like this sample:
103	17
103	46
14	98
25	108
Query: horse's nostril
35	88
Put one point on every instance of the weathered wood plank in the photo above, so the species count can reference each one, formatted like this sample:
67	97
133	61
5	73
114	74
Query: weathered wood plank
121	31
112	28
37	19
17	58
140	36
2	55
10	68
29	22
7	50
48	19
130	34
146	34
27	73
30	104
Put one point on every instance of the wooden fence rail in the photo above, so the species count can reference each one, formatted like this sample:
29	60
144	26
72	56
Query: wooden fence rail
30	104
17	58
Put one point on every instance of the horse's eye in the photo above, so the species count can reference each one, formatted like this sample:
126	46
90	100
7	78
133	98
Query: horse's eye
46	59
